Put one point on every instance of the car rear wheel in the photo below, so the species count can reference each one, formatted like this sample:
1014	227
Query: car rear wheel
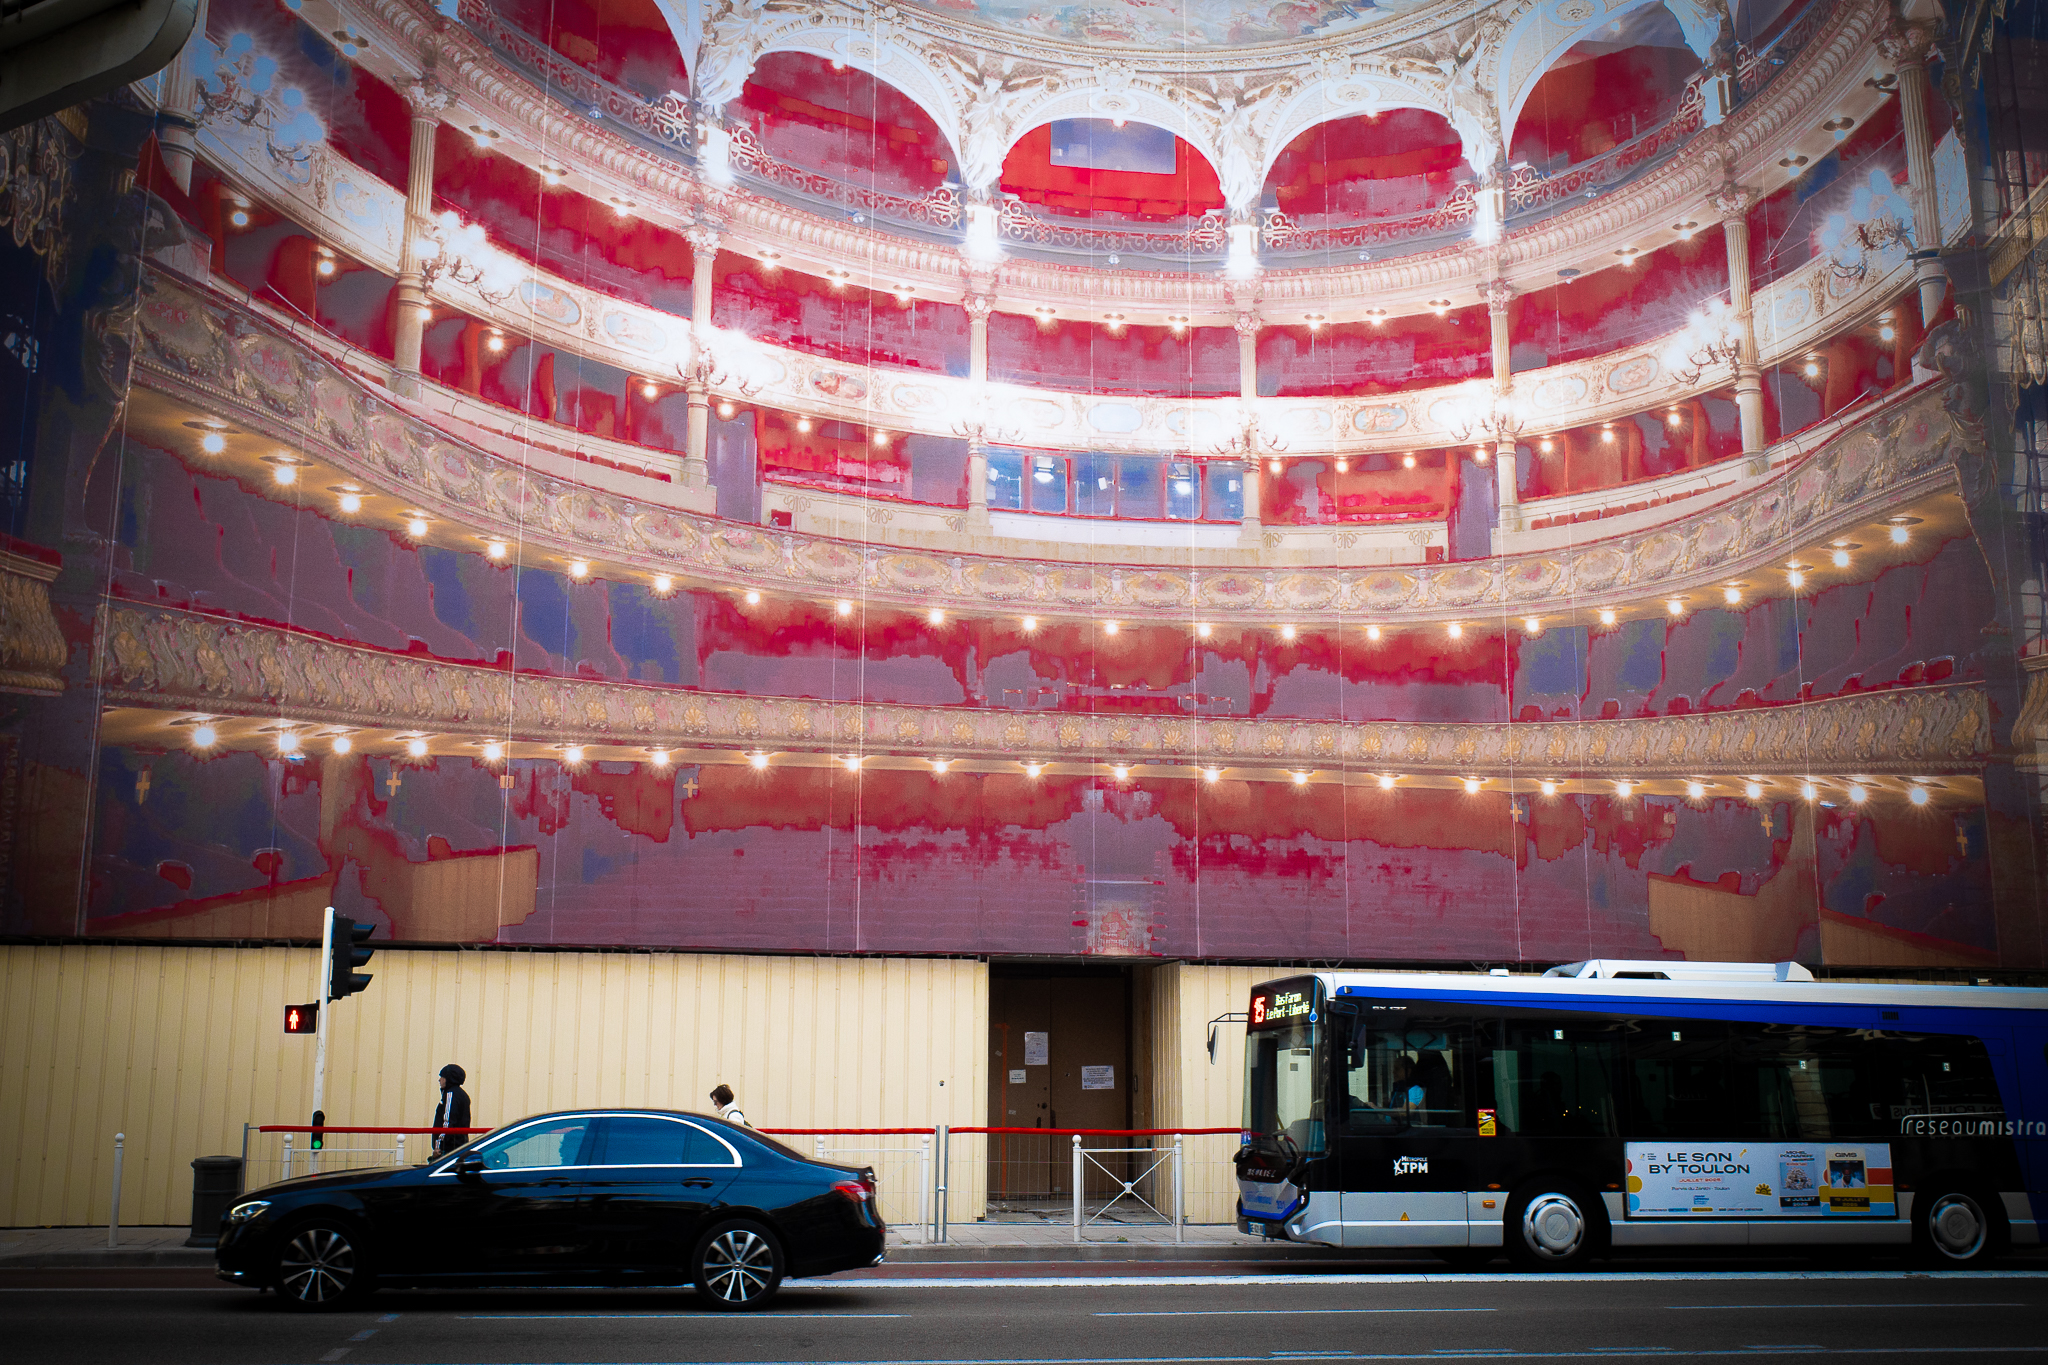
321	1267
738	1266
1955	1229
1553	1227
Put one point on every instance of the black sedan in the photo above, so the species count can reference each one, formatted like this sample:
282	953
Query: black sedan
589	1197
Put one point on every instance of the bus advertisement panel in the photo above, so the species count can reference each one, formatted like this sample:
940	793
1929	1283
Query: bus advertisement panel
1716	1181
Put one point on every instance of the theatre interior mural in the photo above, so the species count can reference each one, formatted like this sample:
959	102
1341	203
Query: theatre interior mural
1426	482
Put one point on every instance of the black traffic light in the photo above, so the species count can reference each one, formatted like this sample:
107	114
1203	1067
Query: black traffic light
302	1018
349	954
319	1122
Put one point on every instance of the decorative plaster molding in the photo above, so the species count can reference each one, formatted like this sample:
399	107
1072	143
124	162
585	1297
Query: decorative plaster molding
223	360
32	647
169	659
1827	72
362	216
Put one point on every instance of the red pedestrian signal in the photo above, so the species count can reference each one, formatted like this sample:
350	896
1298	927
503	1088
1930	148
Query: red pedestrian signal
301	1018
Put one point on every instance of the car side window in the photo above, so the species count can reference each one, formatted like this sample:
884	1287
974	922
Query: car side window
556	1143
631	1140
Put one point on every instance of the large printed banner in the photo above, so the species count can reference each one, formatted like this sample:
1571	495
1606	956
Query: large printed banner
1824	1181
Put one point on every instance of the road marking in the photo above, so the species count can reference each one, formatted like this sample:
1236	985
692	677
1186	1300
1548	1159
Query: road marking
1806	1307
334	1355
1292	1312
364	1335
697	1317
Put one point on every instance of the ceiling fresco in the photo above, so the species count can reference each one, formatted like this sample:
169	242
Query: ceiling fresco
1162	25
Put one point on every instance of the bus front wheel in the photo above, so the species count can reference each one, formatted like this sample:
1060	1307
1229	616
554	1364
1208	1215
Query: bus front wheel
1957	1228
1553	1227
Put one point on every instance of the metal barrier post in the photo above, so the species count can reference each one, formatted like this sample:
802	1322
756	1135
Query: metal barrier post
1077	1187
945	1136
818	1143
243	1188
401	1149
1179	1192
114	1214
924	1183
287	1157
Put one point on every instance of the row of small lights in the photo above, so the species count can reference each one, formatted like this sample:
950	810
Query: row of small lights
288	743
284	470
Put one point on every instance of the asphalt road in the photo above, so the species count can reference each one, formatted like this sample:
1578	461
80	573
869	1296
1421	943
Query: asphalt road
175	1318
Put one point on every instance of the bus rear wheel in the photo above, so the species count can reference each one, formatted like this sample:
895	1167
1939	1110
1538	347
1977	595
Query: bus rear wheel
1956	1228
1553	1227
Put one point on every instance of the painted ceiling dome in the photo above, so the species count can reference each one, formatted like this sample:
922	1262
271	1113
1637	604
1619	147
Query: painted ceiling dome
1152	24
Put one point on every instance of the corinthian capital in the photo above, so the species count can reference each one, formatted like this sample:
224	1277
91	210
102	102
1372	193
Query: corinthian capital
1906	44
1498	294
426	97
1733	201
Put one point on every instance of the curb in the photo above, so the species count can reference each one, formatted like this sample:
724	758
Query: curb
924	1253
115	1259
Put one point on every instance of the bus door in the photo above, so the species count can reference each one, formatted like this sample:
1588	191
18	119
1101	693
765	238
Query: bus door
2030	1061
1407	1120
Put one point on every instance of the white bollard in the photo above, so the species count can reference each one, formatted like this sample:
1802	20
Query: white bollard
287	1156
924	1183
1179	1191
401	1149
1077	1187
945	1136
114	1214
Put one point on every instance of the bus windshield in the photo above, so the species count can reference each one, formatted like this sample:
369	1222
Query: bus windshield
1283	1059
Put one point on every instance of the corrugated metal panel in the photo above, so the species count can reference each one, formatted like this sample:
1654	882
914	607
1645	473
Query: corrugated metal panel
178	1047
1193	1093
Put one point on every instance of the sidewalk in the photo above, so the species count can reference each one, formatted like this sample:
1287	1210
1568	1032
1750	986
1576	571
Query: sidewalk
1035	1240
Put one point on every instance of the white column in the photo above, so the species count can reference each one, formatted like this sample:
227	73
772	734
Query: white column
178	106
1499	294
1252	533
426	98
978	306
977	486
704	240
1733	203
1247	329
1907	47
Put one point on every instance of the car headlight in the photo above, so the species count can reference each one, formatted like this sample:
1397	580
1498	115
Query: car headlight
242	1213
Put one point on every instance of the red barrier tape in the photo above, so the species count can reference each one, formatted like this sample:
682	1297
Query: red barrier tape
1105	1132
331	1128
840	1132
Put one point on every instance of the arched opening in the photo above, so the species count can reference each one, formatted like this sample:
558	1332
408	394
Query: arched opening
1097	169
1618	82
1366	166
838	120
626	42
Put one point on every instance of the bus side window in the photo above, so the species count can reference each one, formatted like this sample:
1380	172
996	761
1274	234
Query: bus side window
1546	1085
1410	1076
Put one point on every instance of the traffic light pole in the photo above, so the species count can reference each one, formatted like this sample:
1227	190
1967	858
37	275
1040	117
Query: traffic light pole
320	1034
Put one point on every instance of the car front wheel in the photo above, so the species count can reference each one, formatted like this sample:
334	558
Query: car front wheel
738	1265
321	1266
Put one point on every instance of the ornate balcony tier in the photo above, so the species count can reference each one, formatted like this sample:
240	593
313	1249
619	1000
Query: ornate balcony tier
168	665
197	359
1827	78
360	215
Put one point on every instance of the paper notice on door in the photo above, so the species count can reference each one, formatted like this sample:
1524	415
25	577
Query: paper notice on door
1098	1078
1017	1075
1037	1049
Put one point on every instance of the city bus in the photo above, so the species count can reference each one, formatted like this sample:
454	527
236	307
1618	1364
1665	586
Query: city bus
1609	1105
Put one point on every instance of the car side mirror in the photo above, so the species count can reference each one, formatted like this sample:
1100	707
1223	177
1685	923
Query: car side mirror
469	1167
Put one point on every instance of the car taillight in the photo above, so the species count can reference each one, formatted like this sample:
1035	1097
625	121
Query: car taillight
859	1191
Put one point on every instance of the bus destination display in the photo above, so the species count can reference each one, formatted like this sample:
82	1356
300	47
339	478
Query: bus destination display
1281	1006
1720	1180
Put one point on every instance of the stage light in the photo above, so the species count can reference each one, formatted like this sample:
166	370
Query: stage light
1471	786
213	443
1109	627
416	747
284	474
1121	773
1372	633
1549	789
1606	616
845	608
939	765
416	527
1695	790
757	761
342	744
1033	769
1858	794
1287	632
1624	790
351	502
1456	631
1840	558
1731	594
204	737
573	754
1203	630
493	752
1917	795
579	569
1211	774
1386	782
753	599
1533	625
658	757
936	616
497	549
287	743
1753	790
1300	779
663	585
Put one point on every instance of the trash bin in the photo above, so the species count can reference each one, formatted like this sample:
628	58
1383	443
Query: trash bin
216	1183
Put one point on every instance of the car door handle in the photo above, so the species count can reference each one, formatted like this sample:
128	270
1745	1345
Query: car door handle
698	1183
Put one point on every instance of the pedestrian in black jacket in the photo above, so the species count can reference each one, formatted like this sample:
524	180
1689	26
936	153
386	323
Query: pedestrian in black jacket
452	1111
